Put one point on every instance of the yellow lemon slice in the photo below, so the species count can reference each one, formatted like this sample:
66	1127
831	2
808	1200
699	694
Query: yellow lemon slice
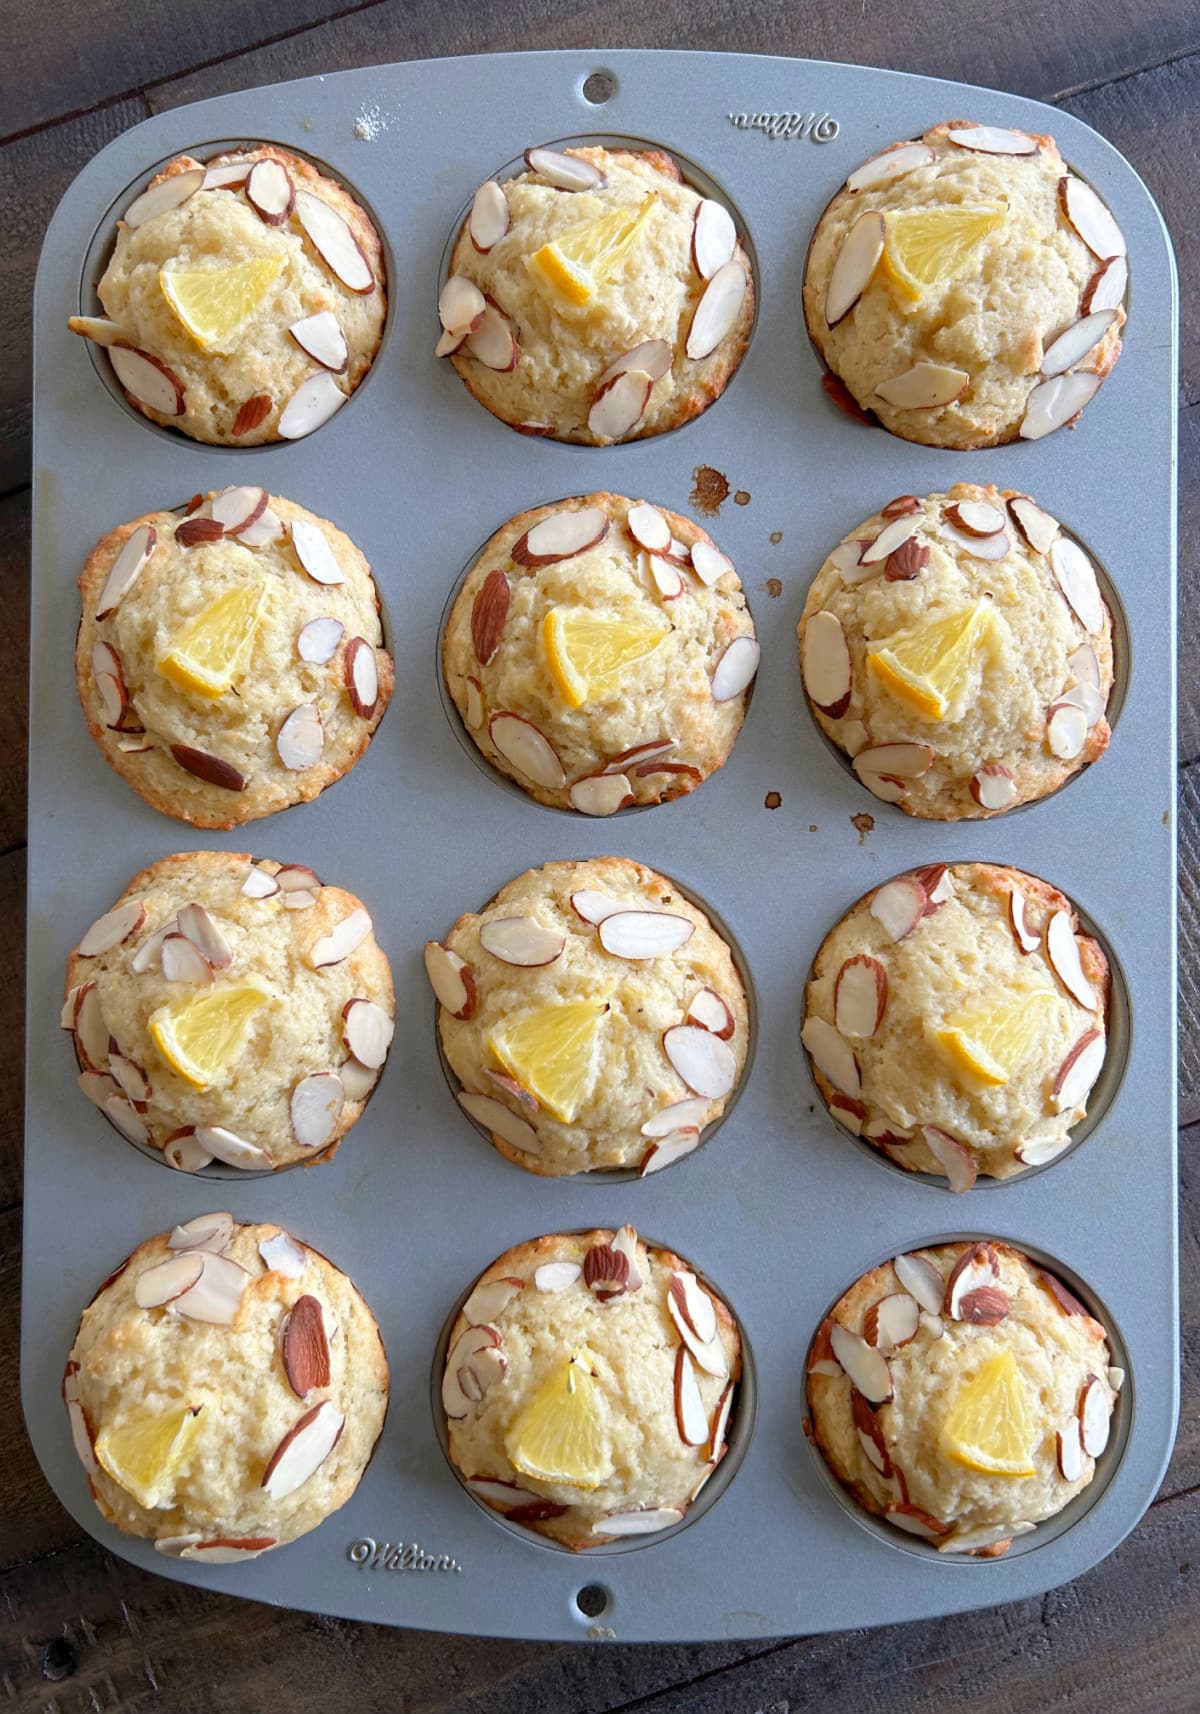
988	1426
206	655
552	1052
145	1453
560	1435
212	303
928	667
926	247
993	1041
201	1036
579	262
587	653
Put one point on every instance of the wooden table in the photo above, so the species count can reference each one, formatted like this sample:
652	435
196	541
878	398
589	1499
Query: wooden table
80	1630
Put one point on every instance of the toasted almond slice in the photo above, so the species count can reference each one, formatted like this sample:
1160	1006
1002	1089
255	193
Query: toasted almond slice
1087	698
908	761
1076	577
854	265
866	1367
198	926
992	140
131	1077
301	739
736	668
1069	1448
476	707
1095	1416
461	305
708	1353
916	1522
987	1535
647	525
1116	1379
502	1495
367	1030
593	906
316	1108
120	1111
891	537
522	941
669	1148
891	164
1062	951
1078	1072
297	877
695	1305
714	237
221	1550
993	786
989	548
1025	937
344	939
315	553
821	1360
718	310
494	1116
252	413
315	400
848	1112
322	337
259	884
184	1153
358	1080
489	613
563	171
160	198
832	1055
282	1254
667	578
1066	731
870	1434
334	242
303	1449
528	749
362	677
709	563
691	1419
1107	286
1074	344
304	1346
704	1062
98	329
230	176
860	996
711	1012
601	794
1055	402
263	532
639	935
647	1522
561	535
489	1301
1091	218
166	1281
977	1268
451	979
473	1363
270	191
91	1031
66	1017
687	1114
205	1232
652	357
975	517
888	787
1035	524
1042	1149
921	1280
924	387
148	379
318	641
134	746
226	1146
957	1162
494	342
619	404
825	664
449	343
112	928
556	1276
489	218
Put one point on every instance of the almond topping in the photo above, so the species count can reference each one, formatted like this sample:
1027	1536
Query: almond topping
718	310
924	387
489	610
488	220
1062	952
825	664
865	1366
304	1347
561	535
322	337
1056	402
303	1449
135	551
854	265
860	996
148	380
521	941
832	1055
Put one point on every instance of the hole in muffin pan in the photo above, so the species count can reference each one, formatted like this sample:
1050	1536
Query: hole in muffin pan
699	178
592	1601
99	252
1122	665
1119	1028
471	749
600	87
738	1434
607	1176
1107	1465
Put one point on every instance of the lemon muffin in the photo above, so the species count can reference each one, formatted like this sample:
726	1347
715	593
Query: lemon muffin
230	662
601	653
225	1390
244	299
967	288
962	1393
596	297
588	1386
594	1017
230	1010
958	648
956	1020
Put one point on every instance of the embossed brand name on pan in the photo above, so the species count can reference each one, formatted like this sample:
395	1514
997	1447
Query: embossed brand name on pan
817	127
374	1555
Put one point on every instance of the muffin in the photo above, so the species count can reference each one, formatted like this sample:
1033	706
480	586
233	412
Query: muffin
962	1393
225	1390
588	1385
230	1010
244	299
967	288
593	1016
230	662
956	1020
959	650
596	297
600	653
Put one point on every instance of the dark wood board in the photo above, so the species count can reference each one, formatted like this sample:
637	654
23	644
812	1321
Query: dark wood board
80	1630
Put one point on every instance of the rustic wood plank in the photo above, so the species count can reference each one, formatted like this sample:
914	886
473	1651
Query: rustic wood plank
1188	654
12	1032
14	665
1189	945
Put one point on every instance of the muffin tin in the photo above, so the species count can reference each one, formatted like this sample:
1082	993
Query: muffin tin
779	1209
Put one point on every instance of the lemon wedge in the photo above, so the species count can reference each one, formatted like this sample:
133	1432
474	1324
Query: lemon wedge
213	303
929	667
587	653
560	1435
211	649
551	1051
201	1036
993	1041
988	1426
927	247
576	265
144	1454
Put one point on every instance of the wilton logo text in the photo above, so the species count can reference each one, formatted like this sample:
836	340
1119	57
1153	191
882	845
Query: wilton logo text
817	127
397	1556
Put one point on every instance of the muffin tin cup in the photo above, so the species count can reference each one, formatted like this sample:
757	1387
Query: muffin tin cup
778	1209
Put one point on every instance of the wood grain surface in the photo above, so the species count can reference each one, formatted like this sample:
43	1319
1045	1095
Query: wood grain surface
80	1630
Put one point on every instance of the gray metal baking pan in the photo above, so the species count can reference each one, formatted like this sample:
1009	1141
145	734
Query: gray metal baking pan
779	1208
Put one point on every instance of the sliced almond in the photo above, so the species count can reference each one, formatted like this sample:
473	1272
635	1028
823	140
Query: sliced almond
702	1060
921	1280
709	563
322	337
556	1276
216	1297
924	387
668	1148
709	1354
315	400
647	1522
976	517
522	941
342	940
907	561
690	1415
1074	344
112	928
561	535
489	613
854	265
956	1161
503	1495
91	1030
914	1521
890	538
736	668
987	1535
315	553
1076	577
282	1254
892	1321
976	1268
832	1055
1095	1416
1074	1080
318	641
891	164
901	761
231	175
303	1449
495	1117
316	1108
593	906
263	532
301	739
821	1360
899	905
619	404
848	1112
1066	731
1025	937
358	1080
1062	951
1107	287
162	197
494	342
870	1434
126	568
1069	1448
1042	1149
233	1150
711	1012
113	697
625	1242
270	191
644	934
489	1301
489	218
563	171
120	1111
162	1284
98	329
334	242
714	237
652	357
476	706
825	664
1091	218
148	379
718	310
688	1114
715	1445
461	305
993	786
132	1079
473	1363
251	414
601	794
865	1366
648	527
199	927
1053	403
297	877
860	994
451	979
1088	699
1034	522
362	677
304	1347
847	561
528	749
367	1030
990	548
184	1153
992	140
98	1086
